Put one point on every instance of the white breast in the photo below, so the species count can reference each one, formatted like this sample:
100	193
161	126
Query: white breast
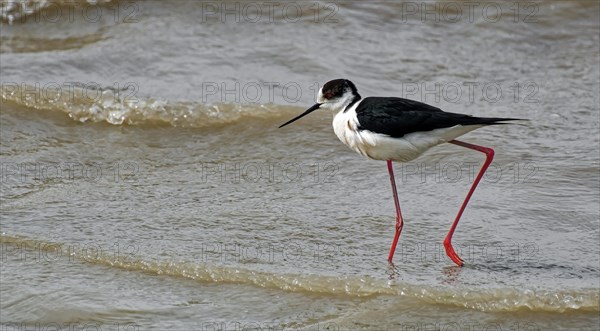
345	126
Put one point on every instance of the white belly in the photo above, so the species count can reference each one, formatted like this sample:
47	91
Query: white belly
383	147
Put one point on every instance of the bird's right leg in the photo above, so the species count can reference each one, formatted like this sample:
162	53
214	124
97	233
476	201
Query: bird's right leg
399	221
489	156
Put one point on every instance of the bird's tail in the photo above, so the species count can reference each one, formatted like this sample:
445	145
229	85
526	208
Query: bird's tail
491	120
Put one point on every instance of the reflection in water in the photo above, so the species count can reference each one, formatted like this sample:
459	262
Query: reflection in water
393	272
451	274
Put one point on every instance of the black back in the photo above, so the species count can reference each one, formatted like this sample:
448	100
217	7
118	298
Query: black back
397	117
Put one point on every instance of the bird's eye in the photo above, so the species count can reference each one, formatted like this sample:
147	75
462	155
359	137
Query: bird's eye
328	95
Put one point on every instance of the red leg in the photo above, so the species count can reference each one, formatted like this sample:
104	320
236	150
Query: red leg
489	156
399	221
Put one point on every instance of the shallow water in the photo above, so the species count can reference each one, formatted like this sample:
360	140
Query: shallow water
145	184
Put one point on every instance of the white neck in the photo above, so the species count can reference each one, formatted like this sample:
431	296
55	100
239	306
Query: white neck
338	104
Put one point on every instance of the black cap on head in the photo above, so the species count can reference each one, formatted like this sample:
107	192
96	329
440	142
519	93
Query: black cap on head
337	87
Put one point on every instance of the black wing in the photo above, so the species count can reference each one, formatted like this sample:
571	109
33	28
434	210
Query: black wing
397	116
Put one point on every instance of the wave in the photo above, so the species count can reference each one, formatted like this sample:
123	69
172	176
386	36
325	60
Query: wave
92	103
490	300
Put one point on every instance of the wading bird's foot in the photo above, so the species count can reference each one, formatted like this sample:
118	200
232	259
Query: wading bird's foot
452	254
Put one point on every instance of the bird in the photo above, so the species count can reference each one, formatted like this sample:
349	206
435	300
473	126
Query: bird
396	129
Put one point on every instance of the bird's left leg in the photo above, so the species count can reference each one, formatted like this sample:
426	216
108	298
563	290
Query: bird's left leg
399	221
489	156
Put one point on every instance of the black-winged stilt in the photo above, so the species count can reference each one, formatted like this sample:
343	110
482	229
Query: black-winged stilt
397	129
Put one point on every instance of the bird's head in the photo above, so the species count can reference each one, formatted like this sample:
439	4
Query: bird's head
336	94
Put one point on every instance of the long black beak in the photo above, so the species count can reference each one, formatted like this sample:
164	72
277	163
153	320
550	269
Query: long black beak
308	111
